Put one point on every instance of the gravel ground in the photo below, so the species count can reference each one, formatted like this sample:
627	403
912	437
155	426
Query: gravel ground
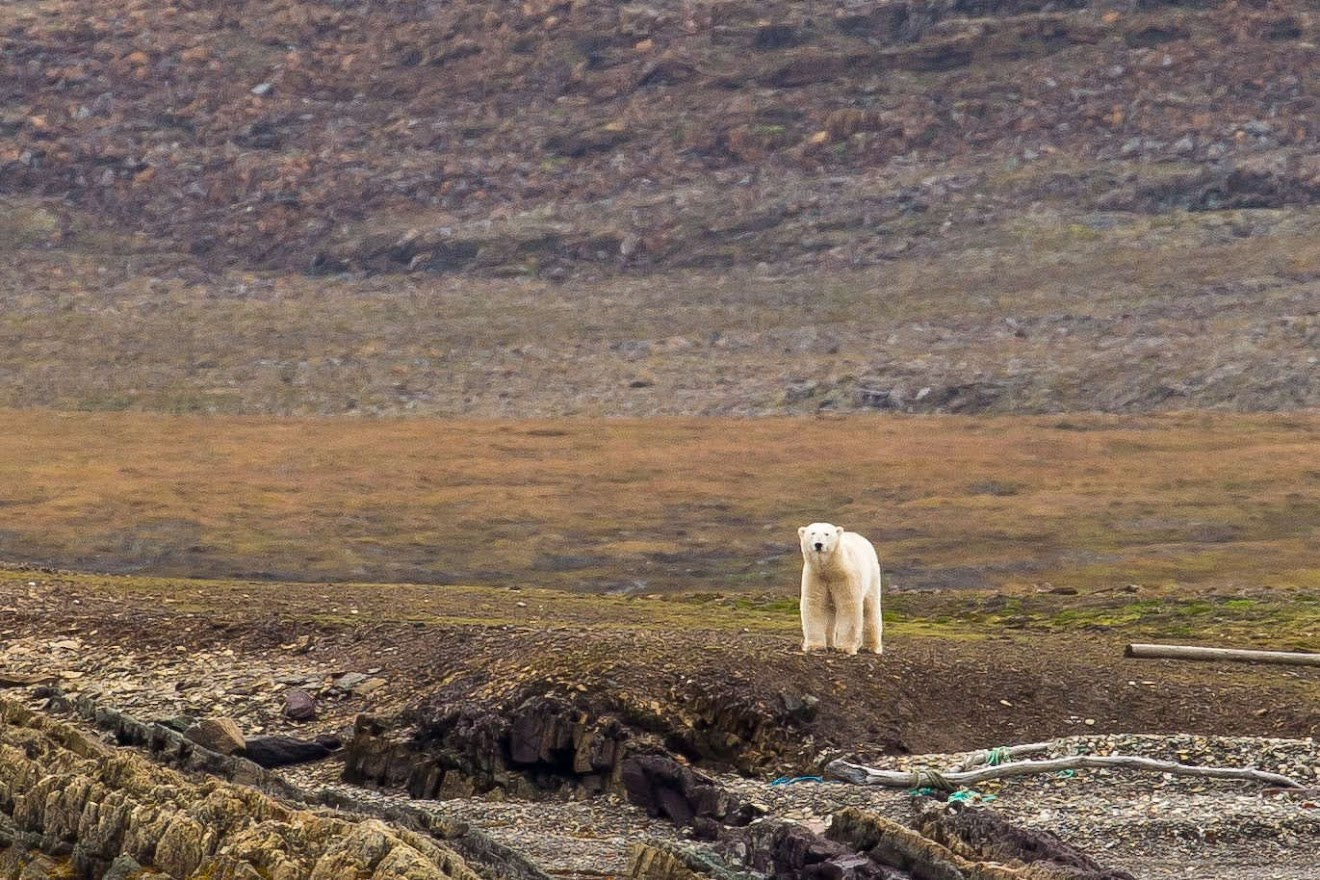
1155	825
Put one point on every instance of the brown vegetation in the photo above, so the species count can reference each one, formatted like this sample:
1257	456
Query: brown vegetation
1081	502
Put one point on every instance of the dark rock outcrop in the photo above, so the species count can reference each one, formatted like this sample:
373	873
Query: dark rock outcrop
663	787
956	841
986	836
281	751
541	738
543	743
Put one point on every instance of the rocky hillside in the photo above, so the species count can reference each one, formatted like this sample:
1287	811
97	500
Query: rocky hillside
550	136
687	206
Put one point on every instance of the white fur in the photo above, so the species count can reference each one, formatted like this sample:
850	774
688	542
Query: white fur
840	590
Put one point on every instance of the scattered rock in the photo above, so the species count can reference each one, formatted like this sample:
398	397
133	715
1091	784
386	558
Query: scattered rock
300	645
981	835
348	681
18	679
180	723
663	860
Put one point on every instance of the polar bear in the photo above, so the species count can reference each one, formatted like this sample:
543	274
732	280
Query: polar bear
840	590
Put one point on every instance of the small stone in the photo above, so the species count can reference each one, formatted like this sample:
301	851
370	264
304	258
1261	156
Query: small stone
263	89
299	705
348	681
179	723
220	734
1131	147
123	867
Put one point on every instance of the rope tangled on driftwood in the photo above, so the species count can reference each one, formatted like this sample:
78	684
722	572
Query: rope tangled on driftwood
925	777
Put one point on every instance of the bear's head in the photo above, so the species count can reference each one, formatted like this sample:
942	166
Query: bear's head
819	539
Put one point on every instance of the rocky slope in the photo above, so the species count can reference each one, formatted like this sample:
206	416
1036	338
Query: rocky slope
681	207
550	137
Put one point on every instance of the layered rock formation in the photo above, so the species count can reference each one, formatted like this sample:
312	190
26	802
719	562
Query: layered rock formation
72	806
527	743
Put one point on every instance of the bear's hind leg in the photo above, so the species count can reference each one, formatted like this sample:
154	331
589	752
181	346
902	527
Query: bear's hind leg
872	625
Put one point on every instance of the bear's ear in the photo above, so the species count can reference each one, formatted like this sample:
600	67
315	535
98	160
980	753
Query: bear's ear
802	530
838	530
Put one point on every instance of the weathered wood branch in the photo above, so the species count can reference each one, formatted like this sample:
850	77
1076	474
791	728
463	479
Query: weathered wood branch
1191	652
953	779
998	755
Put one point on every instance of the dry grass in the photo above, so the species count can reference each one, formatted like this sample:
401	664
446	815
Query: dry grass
1211	502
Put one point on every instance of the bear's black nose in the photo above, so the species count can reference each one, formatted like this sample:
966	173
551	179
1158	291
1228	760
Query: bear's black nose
820	546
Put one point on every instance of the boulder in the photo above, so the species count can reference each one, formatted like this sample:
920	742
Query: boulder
665	788
299	705
221	735
280	751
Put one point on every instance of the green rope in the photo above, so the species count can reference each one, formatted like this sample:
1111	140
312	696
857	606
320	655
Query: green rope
924	777
997	756
971	796
962	795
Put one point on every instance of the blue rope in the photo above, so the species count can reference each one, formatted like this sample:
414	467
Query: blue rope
962	795
790	780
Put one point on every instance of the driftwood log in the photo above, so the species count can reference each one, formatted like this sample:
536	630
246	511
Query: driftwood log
998	755
1191	652
954	779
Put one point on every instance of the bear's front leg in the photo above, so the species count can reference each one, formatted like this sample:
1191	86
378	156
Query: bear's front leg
814	605
848	618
